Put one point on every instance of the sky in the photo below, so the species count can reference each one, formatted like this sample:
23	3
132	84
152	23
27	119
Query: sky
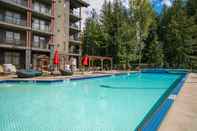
97	5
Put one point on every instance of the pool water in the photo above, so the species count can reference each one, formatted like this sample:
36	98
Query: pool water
114	103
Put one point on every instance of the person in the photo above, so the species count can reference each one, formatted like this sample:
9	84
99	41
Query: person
73	64
67	67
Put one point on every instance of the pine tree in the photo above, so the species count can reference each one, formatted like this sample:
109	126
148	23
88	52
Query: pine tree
176	33
153	50
93	36
192	14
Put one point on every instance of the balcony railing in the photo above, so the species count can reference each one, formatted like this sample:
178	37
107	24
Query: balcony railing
40	28
40	45
75	38
21	43
75	26
45	11
77	52
12	20
19	2
75	13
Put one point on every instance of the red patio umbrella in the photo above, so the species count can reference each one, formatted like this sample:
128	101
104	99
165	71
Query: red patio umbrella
85	60
56	58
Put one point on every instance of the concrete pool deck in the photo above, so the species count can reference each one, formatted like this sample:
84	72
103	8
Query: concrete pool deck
76	75
182	116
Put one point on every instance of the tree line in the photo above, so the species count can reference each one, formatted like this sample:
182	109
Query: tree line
138	34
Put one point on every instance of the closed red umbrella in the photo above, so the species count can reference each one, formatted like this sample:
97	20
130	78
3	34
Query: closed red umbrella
85	60
56	58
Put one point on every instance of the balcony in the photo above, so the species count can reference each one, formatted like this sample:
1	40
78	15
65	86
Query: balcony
41	29
75	52
40	46
74	16
74	28
11	20
75	39
43	12
12	43
17	3
78	4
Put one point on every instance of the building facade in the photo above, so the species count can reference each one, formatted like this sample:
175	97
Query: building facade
68	29
30	28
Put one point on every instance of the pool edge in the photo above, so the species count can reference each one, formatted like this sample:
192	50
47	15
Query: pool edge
151	116
63	79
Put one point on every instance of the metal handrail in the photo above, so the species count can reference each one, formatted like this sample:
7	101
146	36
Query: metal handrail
40	45
38	27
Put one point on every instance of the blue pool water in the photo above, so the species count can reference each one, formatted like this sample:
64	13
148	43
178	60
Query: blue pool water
115	103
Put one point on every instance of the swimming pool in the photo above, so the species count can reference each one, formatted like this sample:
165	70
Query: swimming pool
113	103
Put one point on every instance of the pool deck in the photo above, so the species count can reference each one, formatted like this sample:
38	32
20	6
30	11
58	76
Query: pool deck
53	78
182	116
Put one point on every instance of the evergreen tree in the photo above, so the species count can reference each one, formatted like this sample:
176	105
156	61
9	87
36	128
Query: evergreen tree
176	34
153	50
135	34
192	14
93	37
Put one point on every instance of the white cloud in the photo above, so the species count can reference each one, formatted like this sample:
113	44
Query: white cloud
94	4
168	3
97	5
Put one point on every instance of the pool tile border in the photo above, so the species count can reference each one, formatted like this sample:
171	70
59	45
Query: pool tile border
155	119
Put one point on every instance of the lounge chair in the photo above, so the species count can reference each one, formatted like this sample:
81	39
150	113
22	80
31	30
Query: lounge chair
28	73
66	72
9	69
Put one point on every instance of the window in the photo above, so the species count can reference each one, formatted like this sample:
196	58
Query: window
17	38
36	6
35	24
8	16
39	42
13	37
12	58
42	42
9	36
40	25
12	17
39	7
16	18
42	9
36	41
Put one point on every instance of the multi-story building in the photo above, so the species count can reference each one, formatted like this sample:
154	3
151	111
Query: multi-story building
29	28
26	32
68	29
